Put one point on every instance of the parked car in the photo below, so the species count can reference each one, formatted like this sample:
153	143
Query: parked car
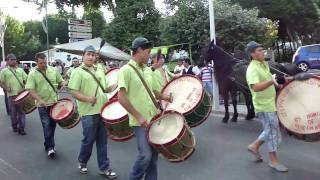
307	57
27	65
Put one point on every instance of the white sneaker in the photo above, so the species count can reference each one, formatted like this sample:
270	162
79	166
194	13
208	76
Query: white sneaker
83	168
51	153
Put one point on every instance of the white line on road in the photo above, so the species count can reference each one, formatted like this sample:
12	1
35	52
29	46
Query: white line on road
10	166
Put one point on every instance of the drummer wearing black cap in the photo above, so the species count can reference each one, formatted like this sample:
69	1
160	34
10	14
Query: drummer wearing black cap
139	103
262	86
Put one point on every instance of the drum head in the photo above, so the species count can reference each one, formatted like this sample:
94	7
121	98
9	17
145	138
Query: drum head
166	128
298	106
22	95
62	109
112	78
187	92
113	111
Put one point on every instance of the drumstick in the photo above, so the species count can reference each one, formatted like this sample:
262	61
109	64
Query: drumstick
95	95
164	109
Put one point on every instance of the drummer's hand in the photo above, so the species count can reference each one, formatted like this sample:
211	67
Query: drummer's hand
42	103
112	88
9	90
64	84
92	100
142	121
168	98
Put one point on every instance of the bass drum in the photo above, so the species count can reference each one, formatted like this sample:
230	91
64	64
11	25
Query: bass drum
171	136
65	113
298	105
112	79
189	99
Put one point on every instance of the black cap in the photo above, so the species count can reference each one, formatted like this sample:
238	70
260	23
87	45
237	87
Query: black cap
90	49
251	46
11	56
141	42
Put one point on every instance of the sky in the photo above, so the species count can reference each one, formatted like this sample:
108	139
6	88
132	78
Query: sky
24	11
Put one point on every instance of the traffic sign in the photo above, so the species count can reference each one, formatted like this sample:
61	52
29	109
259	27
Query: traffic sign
87	23
80	35
79	28
71	40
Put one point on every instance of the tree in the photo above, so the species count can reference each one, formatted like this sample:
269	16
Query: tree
134	18
98	21
235	26
17	40
298	19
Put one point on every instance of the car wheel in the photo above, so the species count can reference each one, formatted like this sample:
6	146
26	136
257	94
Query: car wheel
303	66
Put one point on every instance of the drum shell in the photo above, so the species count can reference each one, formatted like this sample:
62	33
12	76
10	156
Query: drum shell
26	104
70	121
119	129
179	149
115	95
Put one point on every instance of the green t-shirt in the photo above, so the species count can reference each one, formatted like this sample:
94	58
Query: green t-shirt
39	84
136	92
263	101
83	82
159	79
7	78
69	72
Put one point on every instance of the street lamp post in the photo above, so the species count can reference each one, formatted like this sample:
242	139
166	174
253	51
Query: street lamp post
215	89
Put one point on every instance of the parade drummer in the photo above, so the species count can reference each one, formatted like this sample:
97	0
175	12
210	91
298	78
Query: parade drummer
12	80
161	76
141	106
262	87
43	83
88	86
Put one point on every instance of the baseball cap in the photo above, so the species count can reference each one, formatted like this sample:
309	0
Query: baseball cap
141	41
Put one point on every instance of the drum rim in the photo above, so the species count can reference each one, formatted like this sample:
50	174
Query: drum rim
112	69
114	121
186	75
127	138
154	120
61	119
20	100
278	94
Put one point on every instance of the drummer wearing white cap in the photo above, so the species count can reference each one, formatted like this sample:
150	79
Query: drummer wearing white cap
262	86
136	95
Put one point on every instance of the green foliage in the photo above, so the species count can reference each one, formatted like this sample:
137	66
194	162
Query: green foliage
134	18
235	26
97	18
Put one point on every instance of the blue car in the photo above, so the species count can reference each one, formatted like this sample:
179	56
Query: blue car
307	57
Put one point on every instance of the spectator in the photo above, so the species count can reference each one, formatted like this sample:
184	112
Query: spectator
179	67
189	69
206	78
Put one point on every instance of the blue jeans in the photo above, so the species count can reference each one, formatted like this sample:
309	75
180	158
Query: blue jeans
94	131
18	118
49	127
146	163
271	130
208	87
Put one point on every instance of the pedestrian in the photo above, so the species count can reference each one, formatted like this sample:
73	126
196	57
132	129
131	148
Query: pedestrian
75	64
141	106
179	67
189	69
88	86
12	80
43	83
206	75
262	86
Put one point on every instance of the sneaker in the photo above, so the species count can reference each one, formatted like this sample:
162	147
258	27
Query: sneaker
15	130
51	153
279	167
83	168
109	174
22	132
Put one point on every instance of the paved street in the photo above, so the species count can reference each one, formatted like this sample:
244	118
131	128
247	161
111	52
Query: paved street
220	155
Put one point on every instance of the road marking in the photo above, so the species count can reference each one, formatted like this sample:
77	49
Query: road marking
10	166
4	172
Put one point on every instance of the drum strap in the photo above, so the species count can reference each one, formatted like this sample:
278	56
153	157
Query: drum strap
46	78
146	87
21	84
94	77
